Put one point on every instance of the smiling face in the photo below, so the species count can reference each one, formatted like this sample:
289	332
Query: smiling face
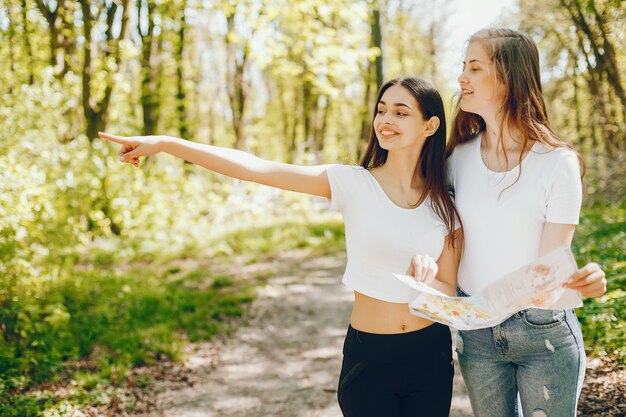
399	122
482	92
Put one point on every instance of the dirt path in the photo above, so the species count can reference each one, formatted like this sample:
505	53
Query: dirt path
285	361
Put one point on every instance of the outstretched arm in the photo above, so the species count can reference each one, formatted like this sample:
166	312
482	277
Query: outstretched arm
230	162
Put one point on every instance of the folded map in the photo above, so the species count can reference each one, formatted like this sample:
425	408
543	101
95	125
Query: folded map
536	285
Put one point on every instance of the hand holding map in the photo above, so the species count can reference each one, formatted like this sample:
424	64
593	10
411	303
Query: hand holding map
536	285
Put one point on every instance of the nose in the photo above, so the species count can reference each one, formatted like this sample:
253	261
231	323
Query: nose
386	118
462	79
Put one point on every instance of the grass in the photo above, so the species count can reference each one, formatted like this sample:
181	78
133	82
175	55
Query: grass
95	325
107	323
601	238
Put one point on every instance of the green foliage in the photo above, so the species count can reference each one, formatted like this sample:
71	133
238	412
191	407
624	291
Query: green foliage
327	237
601	238
91	326
116	321
69	212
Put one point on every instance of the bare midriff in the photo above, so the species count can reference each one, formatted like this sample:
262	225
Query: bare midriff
371	315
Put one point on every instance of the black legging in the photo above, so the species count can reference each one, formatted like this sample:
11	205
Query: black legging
397	375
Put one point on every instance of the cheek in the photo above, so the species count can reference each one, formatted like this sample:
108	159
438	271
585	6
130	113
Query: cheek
413	129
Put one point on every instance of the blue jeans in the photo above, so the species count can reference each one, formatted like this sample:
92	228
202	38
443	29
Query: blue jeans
536	354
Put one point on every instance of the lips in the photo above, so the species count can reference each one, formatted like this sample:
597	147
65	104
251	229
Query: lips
387	133
466	92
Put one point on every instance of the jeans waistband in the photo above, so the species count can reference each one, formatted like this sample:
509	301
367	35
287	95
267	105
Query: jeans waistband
461	293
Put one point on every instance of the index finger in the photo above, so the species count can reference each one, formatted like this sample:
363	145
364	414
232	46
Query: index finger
117	139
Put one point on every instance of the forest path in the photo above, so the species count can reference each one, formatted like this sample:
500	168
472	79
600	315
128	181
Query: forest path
285	360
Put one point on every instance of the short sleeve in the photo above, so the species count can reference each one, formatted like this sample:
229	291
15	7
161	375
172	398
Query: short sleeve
565	193
342	185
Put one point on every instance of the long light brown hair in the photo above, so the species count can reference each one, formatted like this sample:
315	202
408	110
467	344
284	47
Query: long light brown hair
432	161
516	60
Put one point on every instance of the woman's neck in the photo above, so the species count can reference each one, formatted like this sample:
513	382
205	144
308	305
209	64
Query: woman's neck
402	167
501	137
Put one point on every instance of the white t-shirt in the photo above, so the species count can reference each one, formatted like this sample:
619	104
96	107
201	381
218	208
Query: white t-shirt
381	237
503	229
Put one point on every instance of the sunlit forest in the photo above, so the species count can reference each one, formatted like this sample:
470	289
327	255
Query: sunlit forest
85	289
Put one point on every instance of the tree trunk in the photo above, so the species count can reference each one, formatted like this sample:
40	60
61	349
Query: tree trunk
320	136
603	52
27	45
96	113
61	30
12	55
364	134
293	144
577	112
284	118
150	61
183	128
236	88
374	74
308	99
610	63
377	41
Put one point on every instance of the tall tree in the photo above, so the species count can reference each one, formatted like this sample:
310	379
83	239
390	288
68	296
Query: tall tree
96	106
151	63
237	55
61	26
11	32
580	39
28	49
183	127
595	30
373	75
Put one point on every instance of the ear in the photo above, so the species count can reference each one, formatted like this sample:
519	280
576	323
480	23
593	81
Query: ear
431	126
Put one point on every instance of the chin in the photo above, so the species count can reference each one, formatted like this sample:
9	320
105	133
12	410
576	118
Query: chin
385	145
467	108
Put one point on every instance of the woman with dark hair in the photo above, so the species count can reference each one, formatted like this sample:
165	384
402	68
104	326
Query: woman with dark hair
396	204
518	191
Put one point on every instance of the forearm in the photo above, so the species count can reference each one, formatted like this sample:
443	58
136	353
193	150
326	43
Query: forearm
230	162
244	166
444	287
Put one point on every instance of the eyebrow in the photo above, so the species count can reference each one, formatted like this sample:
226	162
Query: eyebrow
397	105
472	60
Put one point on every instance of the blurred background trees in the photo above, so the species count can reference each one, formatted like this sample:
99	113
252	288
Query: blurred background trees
292	80
580	41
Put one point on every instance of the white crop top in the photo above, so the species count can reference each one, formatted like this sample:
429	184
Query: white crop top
502	229
381	237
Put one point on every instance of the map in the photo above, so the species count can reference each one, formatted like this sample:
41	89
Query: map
536	285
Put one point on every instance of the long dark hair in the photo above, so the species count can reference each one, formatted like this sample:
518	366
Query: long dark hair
516	60
432	161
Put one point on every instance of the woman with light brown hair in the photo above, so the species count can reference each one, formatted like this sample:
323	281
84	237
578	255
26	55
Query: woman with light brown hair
518	192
